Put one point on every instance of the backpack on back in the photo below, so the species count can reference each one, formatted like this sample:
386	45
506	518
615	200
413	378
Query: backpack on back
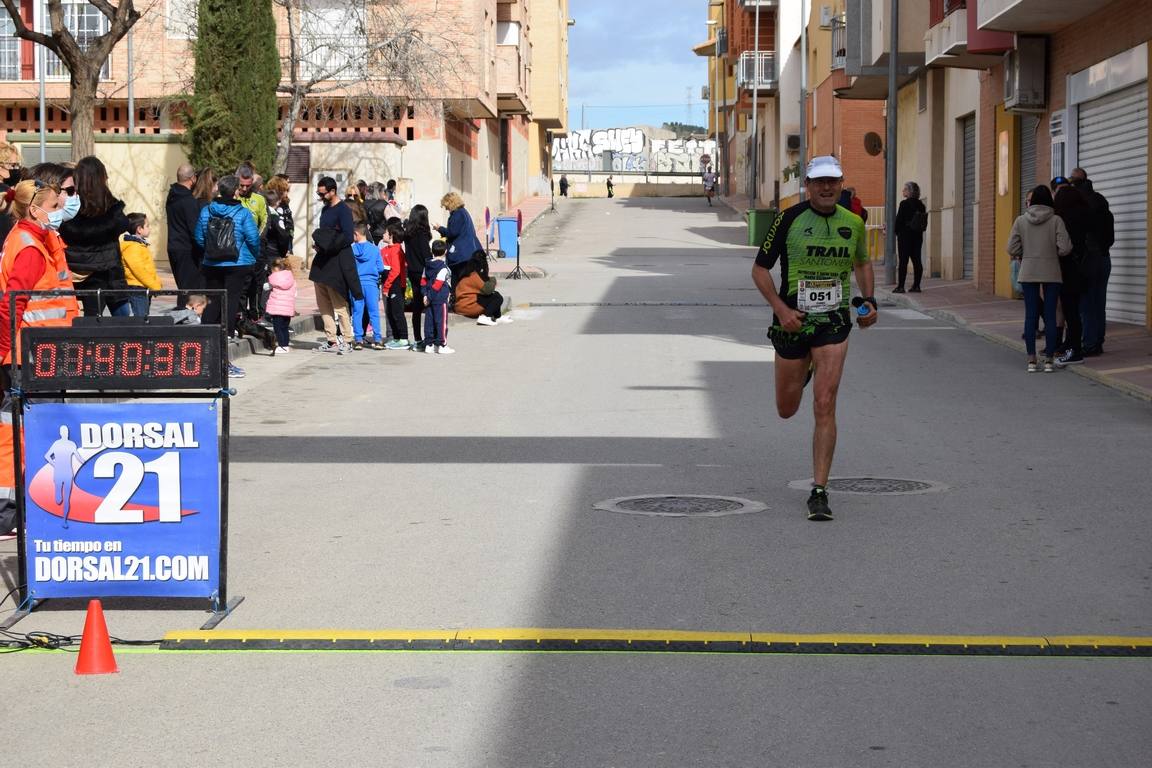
919	221
220	239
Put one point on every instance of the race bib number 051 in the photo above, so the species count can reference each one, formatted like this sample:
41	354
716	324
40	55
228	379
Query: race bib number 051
818	295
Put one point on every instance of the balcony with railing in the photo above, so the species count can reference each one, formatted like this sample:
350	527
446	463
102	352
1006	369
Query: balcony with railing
757	71
839	42
512	73
325	58
946	43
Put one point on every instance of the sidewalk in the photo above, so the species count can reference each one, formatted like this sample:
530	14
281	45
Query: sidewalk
1126	364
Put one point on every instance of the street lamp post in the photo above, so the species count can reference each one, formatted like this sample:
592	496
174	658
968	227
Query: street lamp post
890	149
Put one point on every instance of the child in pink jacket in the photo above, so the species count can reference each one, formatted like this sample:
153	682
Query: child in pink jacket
281	302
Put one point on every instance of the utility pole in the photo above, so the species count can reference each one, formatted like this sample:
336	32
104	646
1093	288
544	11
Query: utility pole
890	149
754	194
803	93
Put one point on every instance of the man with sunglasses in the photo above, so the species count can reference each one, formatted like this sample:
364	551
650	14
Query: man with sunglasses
818	245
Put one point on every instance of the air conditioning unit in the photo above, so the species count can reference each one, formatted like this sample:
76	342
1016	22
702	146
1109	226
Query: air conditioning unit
705	93
825	17
1025	75
792	142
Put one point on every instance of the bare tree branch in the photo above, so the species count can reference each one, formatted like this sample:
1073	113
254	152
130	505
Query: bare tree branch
379	58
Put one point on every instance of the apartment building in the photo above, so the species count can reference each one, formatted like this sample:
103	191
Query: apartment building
994	97
1060	83
771	68
749	67
843	121
476	132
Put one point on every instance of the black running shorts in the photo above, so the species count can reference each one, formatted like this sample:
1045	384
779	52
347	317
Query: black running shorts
796	346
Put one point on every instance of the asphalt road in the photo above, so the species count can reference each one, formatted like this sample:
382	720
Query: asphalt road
390	490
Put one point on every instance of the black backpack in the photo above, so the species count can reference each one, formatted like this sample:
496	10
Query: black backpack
919	221
220	239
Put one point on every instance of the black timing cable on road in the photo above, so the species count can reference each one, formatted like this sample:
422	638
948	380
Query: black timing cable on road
14	642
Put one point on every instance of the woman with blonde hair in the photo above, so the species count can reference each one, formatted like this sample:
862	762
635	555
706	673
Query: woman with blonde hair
33	259
460	234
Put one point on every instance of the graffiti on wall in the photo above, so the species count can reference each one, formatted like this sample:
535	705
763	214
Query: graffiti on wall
628	149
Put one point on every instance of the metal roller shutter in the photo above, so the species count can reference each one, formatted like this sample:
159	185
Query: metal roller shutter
1113	149
968	126
1028	128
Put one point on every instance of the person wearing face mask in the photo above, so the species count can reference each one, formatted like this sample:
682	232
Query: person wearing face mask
92	240
34	259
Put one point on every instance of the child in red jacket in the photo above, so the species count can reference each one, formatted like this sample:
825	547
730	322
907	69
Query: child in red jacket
395	281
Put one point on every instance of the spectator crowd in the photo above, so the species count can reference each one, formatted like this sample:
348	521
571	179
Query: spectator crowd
374	267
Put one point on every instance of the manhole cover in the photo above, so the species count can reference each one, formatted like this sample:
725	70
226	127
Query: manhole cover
681	506
880	486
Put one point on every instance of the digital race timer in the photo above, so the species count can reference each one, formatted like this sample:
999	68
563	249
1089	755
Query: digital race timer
121	357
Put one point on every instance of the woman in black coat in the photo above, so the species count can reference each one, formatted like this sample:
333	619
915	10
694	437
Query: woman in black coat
417	252
92	240
911	221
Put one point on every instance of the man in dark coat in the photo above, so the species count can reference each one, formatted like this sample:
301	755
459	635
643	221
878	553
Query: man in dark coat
183	211
1101	236
333	272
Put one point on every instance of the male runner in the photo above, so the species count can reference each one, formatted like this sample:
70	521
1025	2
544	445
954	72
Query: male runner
818	245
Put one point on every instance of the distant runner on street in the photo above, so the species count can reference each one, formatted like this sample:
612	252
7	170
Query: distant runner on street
818	245
709	179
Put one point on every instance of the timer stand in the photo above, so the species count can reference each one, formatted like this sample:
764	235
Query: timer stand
138	362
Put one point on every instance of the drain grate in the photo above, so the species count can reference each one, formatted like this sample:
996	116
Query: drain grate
877	486
681	506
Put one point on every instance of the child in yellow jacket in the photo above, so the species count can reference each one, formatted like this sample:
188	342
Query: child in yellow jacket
139	266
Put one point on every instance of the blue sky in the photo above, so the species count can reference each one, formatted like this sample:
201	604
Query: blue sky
624	56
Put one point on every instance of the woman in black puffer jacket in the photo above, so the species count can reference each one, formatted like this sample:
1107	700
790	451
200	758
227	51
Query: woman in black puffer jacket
92	240
417	252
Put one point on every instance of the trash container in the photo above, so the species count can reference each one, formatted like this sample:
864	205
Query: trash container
759	222
507	236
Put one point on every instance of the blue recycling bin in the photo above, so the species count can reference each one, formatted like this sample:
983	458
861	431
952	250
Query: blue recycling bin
507	237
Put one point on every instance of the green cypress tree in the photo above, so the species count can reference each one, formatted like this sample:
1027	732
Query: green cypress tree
233	112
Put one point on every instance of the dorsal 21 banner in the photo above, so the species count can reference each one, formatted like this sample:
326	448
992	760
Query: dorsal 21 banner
122	499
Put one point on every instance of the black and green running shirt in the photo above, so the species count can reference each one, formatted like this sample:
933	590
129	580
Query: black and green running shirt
816	253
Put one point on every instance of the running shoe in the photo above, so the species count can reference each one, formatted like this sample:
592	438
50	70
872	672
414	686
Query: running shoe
485	320
1069	358
1048	367
445	350
397	344
357	345
1032	366
505	319
234	372
818	505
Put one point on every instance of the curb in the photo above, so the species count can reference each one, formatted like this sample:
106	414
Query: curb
1131	390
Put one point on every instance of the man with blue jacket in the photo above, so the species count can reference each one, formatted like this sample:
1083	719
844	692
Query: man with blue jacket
227	234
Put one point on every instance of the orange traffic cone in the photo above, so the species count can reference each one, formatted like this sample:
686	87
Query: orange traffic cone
96	657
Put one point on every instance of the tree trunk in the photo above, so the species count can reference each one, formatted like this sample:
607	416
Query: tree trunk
81	105
286	128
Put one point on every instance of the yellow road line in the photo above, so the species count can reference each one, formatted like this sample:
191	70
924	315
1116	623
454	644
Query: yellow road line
575	639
